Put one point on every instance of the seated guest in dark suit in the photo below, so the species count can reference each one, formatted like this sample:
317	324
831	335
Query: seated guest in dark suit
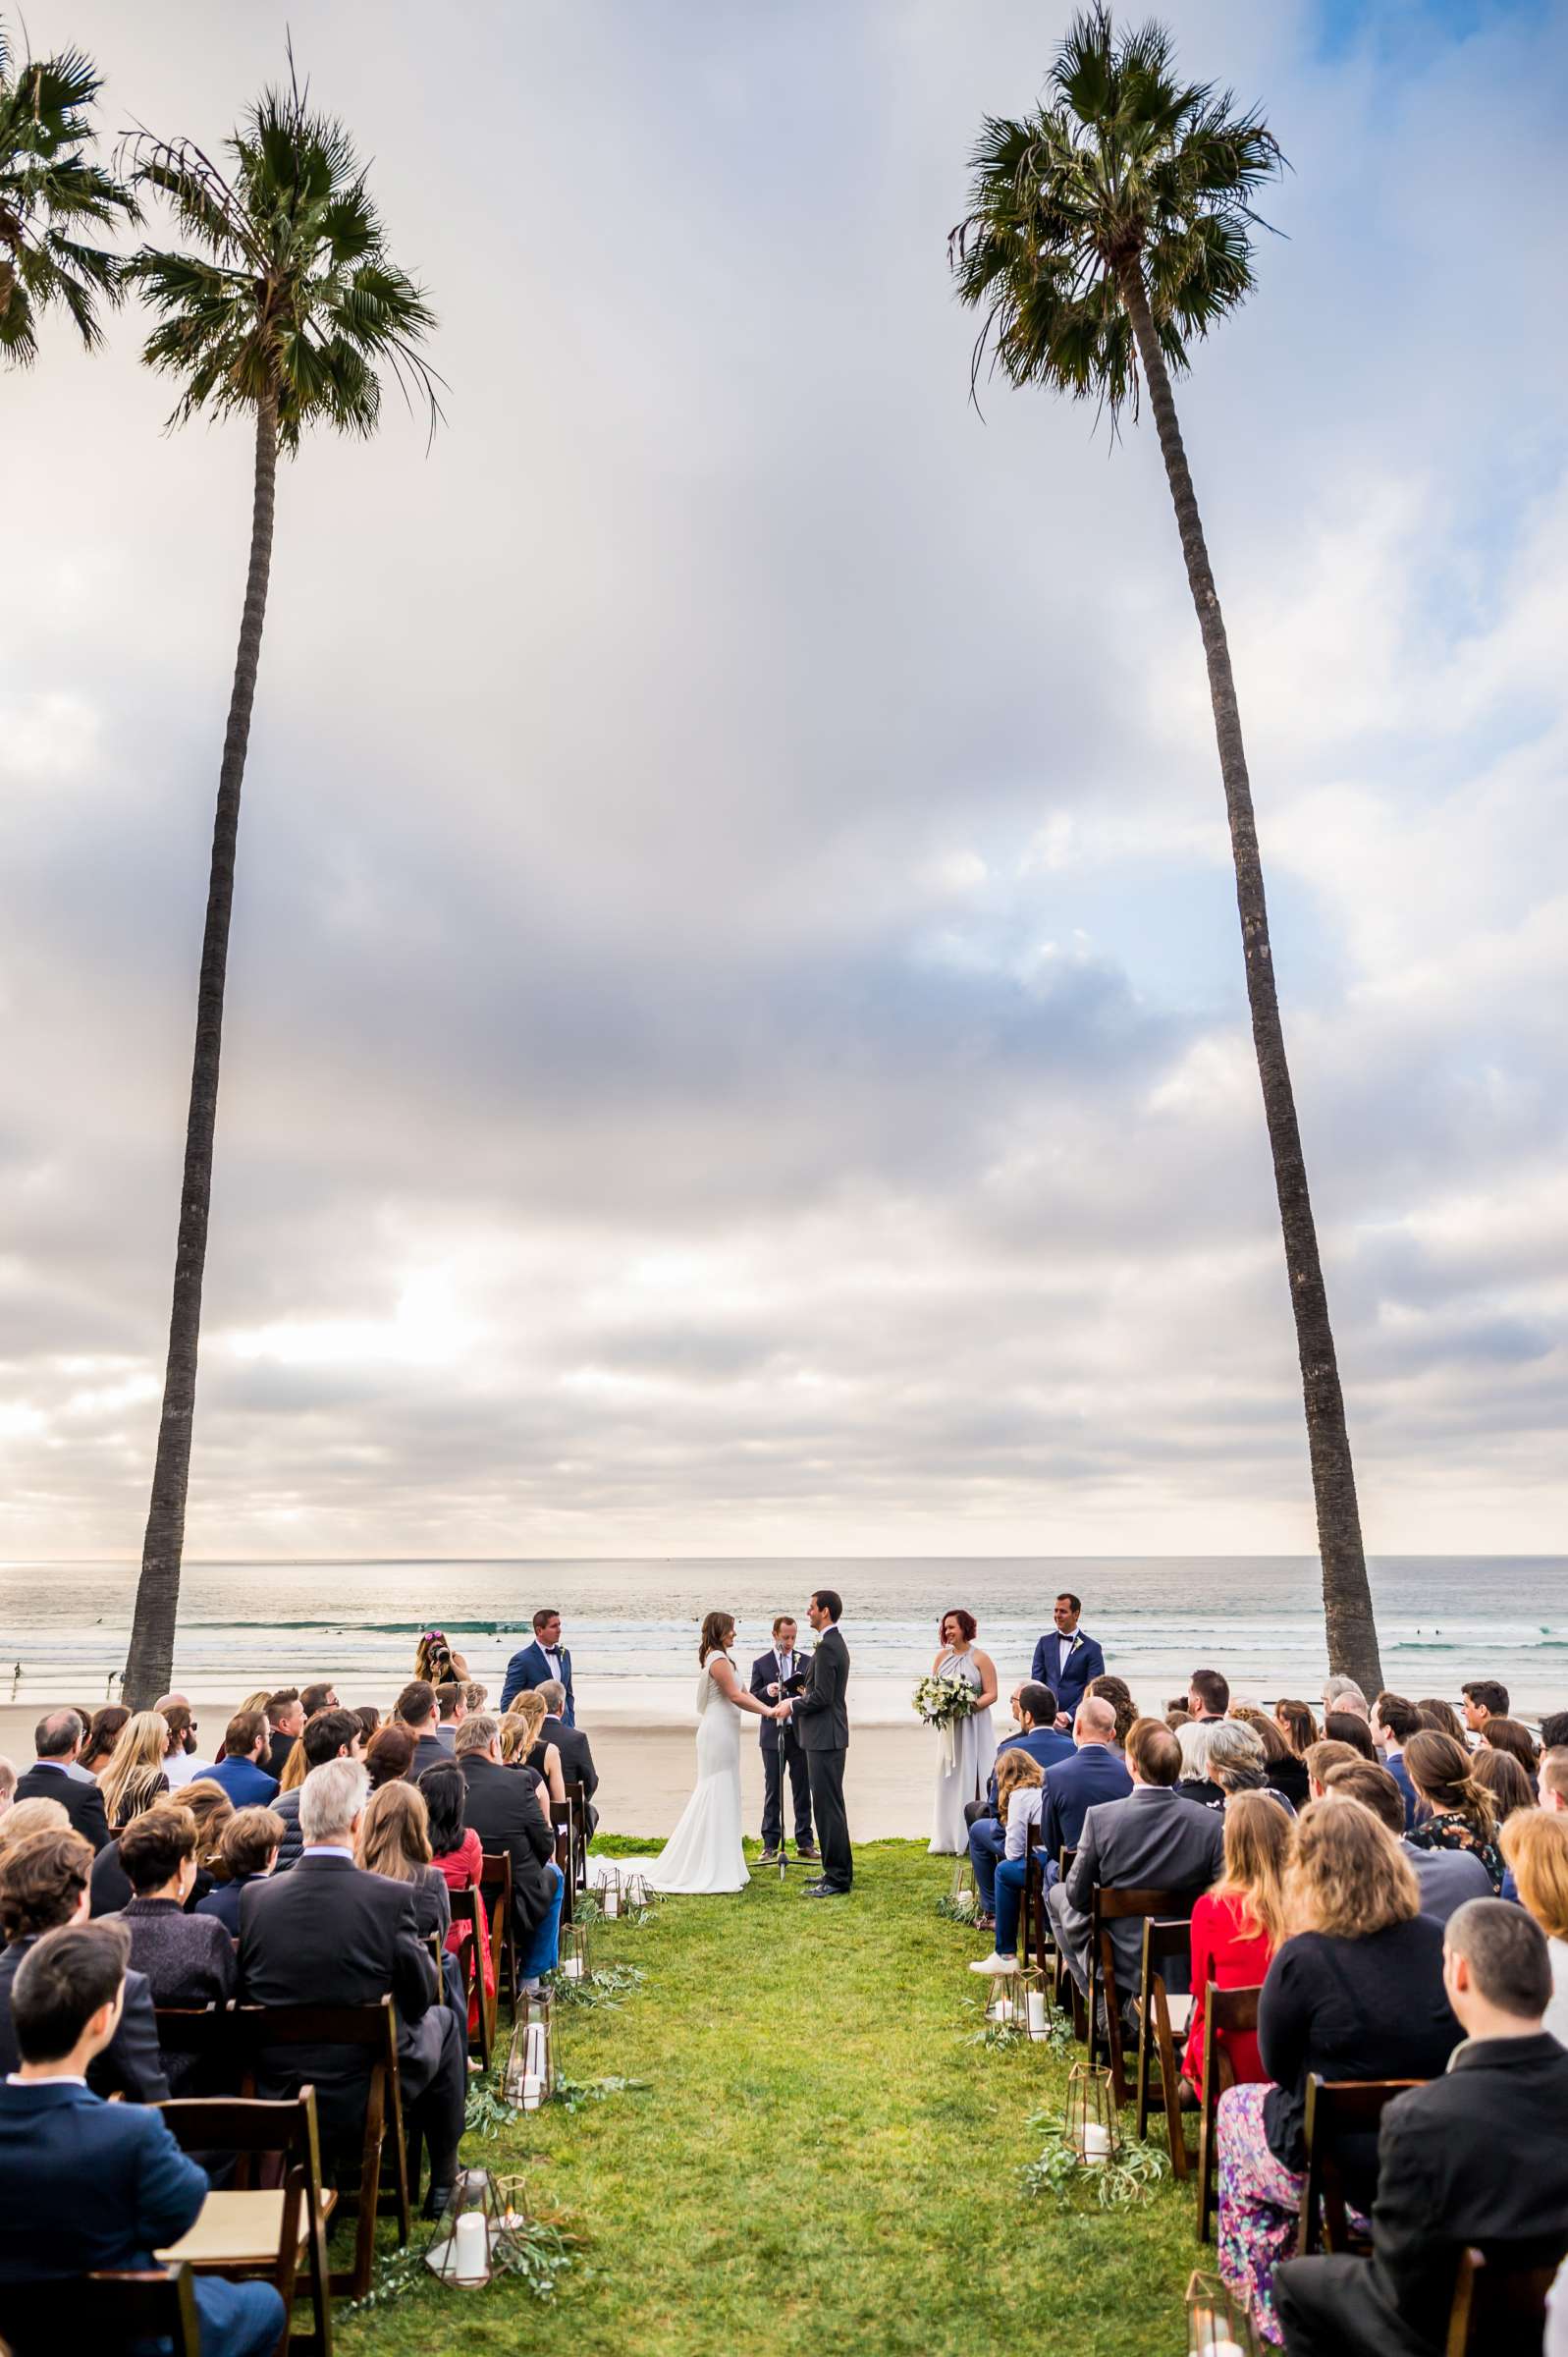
394	1839
248	1849
86	2184
577	1752
1445	1878
451	1712
55	1776
509	1808
1477	2157
1095	1772
189	1959
415	1708
1151	1841
1039	1740
332	1734
1208	1694
286	1721
329	1933
242	1769
1065	1659
1394	1719
1355	1993
43	1886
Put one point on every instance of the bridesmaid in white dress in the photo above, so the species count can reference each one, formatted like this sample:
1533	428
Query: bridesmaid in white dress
704	1852
968	1749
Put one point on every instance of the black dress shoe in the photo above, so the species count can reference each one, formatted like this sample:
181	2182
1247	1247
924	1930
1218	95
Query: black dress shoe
436	2199
825	1891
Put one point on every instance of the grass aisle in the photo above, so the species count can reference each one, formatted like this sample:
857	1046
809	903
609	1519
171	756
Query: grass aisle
820	2162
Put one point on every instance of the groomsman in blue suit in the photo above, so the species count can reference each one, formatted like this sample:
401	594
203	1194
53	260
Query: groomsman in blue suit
536	1663
86	2184
1066	1660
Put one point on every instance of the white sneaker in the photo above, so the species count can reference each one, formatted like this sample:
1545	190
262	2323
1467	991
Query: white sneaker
994	1964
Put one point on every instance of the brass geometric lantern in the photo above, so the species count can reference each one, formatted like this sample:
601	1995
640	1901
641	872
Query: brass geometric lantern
1005	2001
609	1893
529	2077
470	2243
572	1952
963	1881
635	1893
1217	2325
1092	2127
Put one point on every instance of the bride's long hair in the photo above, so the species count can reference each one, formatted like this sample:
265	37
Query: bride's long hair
718	1628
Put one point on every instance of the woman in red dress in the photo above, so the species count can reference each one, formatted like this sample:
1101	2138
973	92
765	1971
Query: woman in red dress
1237	1926
459	1858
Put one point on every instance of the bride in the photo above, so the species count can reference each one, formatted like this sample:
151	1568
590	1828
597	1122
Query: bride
704	1852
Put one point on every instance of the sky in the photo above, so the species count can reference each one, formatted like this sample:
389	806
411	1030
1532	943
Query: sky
735	1034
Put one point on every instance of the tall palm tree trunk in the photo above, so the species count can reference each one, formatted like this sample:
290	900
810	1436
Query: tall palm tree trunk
1346	1595
151	1657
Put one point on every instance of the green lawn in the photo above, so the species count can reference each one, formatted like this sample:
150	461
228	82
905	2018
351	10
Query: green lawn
820	2162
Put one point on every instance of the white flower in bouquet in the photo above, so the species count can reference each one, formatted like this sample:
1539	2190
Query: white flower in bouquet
944	1701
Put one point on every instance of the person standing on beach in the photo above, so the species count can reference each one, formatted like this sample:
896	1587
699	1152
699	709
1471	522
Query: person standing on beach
546	1657
822	1717
775	1674
1066	1658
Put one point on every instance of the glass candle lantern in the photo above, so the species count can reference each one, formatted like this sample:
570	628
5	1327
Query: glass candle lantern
1217	2325
963	1881
571	1954
529	2077
1004	2005
610	1894
635	1892
1093	2129
470	2242
1035	2004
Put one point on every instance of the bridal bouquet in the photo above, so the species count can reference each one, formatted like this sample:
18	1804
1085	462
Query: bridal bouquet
944	1701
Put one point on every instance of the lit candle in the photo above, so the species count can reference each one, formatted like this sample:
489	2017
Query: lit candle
533	2087
1036	2012
1096	2143
471	2248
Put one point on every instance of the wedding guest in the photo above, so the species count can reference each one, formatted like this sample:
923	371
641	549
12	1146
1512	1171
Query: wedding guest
1552	1779
255	1706
329	1933
55	1776
1115	1691
135	1776
576	1761
86	2184
189	1959
510	1810
1236	1927
103	1732
331	1734
1440	1716
1463	1814
1536	1846
459	1859
1510	1787
209	1805
24	1817
528	1747
322	1696
1445	1878
1194	1783
1152	1840
1035	1710
1476	2158
546	1656
1283	1772
475	1696
369	1719
1297	1724
1208	1694
1356	1992
248	1848
1513	1736
1482	1698
1342	1697
394	1839
180	1762
1065	1659
1554	1730
8	1785
1321	1757
415	1708
243	1771
43	1886
1020	1779
1349	1726
1238	1763
286	1719
966	1747
295	1767
451	1711
1394	1719
1095	1772
390	1753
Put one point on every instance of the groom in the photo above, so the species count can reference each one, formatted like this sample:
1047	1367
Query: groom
820	1718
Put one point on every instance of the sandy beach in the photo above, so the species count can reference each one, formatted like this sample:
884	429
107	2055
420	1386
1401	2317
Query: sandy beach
645	1773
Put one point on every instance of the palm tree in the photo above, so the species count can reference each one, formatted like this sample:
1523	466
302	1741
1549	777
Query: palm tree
48	193
285	314
1103	234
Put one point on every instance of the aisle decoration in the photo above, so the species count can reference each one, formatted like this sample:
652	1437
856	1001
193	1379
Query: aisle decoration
529	2076
960	1902
1217	2325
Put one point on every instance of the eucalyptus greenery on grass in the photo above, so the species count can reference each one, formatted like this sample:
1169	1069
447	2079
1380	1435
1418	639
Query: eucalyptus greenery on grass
607	1984
1105	235
1123	2182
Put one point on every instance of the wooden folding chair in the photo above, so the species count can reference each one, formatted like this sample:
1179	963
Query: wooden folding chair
1499	2299
214	2036
578	1802
466	1909
248	2232
1336	2108
1234	2010
1106	1908
495	1883
565	1855
1032	1910
109	2312
373	2031
1157	2010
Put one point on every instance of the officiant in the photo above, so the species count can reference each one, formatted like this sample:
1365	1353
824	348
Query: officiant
776	1676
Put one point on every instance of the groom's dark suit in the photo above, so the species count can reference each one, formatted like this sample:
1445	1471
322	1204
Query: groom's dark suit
822	1719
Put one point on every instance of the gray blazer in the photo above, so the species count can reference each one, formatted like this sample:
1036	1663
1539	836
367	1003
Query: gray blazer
821	1712
1152	1840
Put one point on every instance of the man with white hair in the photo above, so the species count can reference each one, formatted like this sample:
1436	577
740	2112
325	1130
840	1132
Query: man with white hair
1342	1693
329	1933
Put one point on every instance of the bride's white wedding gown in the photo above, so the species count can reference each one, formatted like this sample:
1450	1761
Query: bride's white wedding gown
705	1853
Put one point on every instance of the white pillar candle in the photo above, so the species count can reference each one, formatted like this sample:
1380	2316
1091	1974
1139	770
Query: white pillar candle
1096	2143
534	2062
1036	2012
533	2087
471	2248
612	1903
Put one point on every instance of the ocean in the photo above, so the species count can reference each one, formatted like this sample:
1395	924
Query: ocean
632	1624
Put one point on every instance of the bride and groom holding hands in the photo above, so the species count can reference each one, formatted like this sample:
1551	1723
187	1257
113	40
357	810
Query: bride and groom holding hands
705	1853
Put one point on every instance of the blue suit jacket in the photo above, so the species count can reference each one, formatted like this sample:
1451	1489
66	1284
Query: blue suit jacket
1067	1678
1042	1743
1077	1786
86	2184
528	1669
1401	1776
